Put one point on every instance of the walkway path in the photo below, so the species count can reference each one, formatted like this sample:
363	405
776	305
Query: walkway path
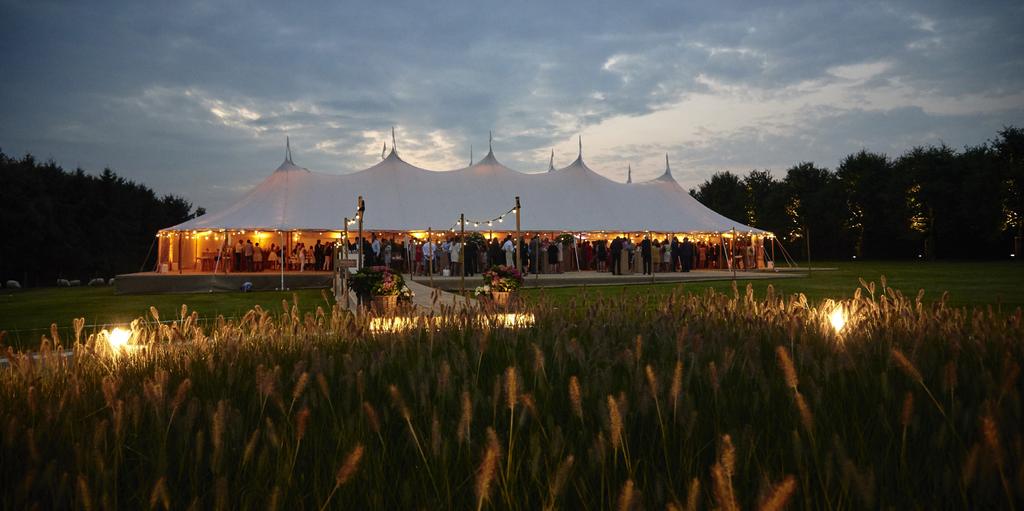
592	278
429	299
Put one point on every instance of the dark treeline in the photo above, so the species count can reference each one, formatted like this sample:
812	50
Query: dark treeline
72	225
931	202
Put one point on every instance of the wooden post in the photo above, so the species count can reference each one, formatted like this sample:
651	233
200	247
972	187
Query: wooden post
343	253
179	252
519	241
359	217
344	245
462	253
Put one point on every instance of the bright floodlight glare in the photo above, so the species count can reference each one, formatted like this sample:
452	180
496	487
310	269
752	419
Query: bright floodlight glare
118	338
838	318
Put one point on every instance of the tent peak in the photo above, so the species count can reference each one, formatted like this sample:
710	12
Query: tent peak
667	176
551	162
288	164
629	174
489	158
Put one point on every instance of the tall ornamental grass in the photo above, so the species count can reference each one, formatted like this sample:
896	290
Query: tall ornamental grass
713	401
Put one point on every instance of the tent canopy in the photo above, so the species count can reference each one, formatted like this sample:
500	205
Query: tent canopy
400	196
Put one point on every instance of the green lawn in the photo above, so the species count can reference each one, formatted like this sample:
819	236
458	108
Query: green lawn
968	283
27	314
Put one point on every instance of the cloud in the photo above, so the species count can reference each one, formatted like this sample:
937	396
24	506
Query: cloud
196	98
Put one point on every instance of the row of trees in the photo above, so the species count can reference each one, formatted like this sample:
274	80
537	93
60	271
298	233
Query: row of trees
932	202
59	224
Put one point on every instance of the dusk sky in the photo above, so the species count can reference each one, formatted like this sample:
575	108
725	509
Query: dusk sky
196	98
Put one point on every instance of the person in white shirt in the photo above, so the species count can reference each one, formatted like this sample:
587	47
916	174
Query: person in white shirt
456	254
375	247
509	249
428	256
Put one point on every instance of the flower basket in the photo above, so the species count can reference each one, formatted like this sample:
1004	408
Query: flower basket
385	304
379	284
502	278
501	298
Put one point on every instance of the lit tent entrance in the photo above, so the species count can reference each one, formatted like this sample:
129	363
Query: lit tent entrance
294	205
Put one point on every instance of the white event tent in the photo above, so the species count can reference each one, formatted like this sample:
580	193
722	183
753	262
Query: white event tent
403	198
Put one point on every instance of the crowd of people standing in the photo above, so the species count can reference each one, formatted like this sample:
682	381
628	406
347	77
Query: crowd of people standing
247	256
541	254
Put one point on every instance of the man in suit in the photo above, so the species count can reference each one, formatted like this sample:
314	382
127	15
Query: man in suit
686	253
318	255
645	253
675	257
616	253
471	257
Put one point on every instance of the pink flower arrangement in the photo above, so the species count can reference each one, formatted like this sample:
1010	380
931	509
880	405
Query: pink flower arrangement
503	278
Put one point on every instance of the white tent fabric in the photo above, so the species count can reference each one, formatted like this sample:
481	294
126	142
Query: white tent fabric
402	197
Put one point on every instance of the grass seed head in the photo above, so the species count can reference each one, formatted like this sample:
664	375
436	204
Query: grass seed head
511	388
575	396
488	468
906	365
786	364
399	402
779	495
723	490
728	456
908	409
614	422
626	496
371	417
677	382
350	466
652	381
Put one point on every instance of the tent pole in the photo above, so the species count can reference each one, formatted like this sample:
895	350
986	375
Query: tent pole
650	257
462	253
430	263
179	253
281	259
773	253
576	251
359	242
519	241
732	252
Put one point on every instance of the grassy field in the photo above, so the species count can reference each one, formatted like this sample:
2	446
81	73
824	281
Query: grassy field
968	283
684	401
27	314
